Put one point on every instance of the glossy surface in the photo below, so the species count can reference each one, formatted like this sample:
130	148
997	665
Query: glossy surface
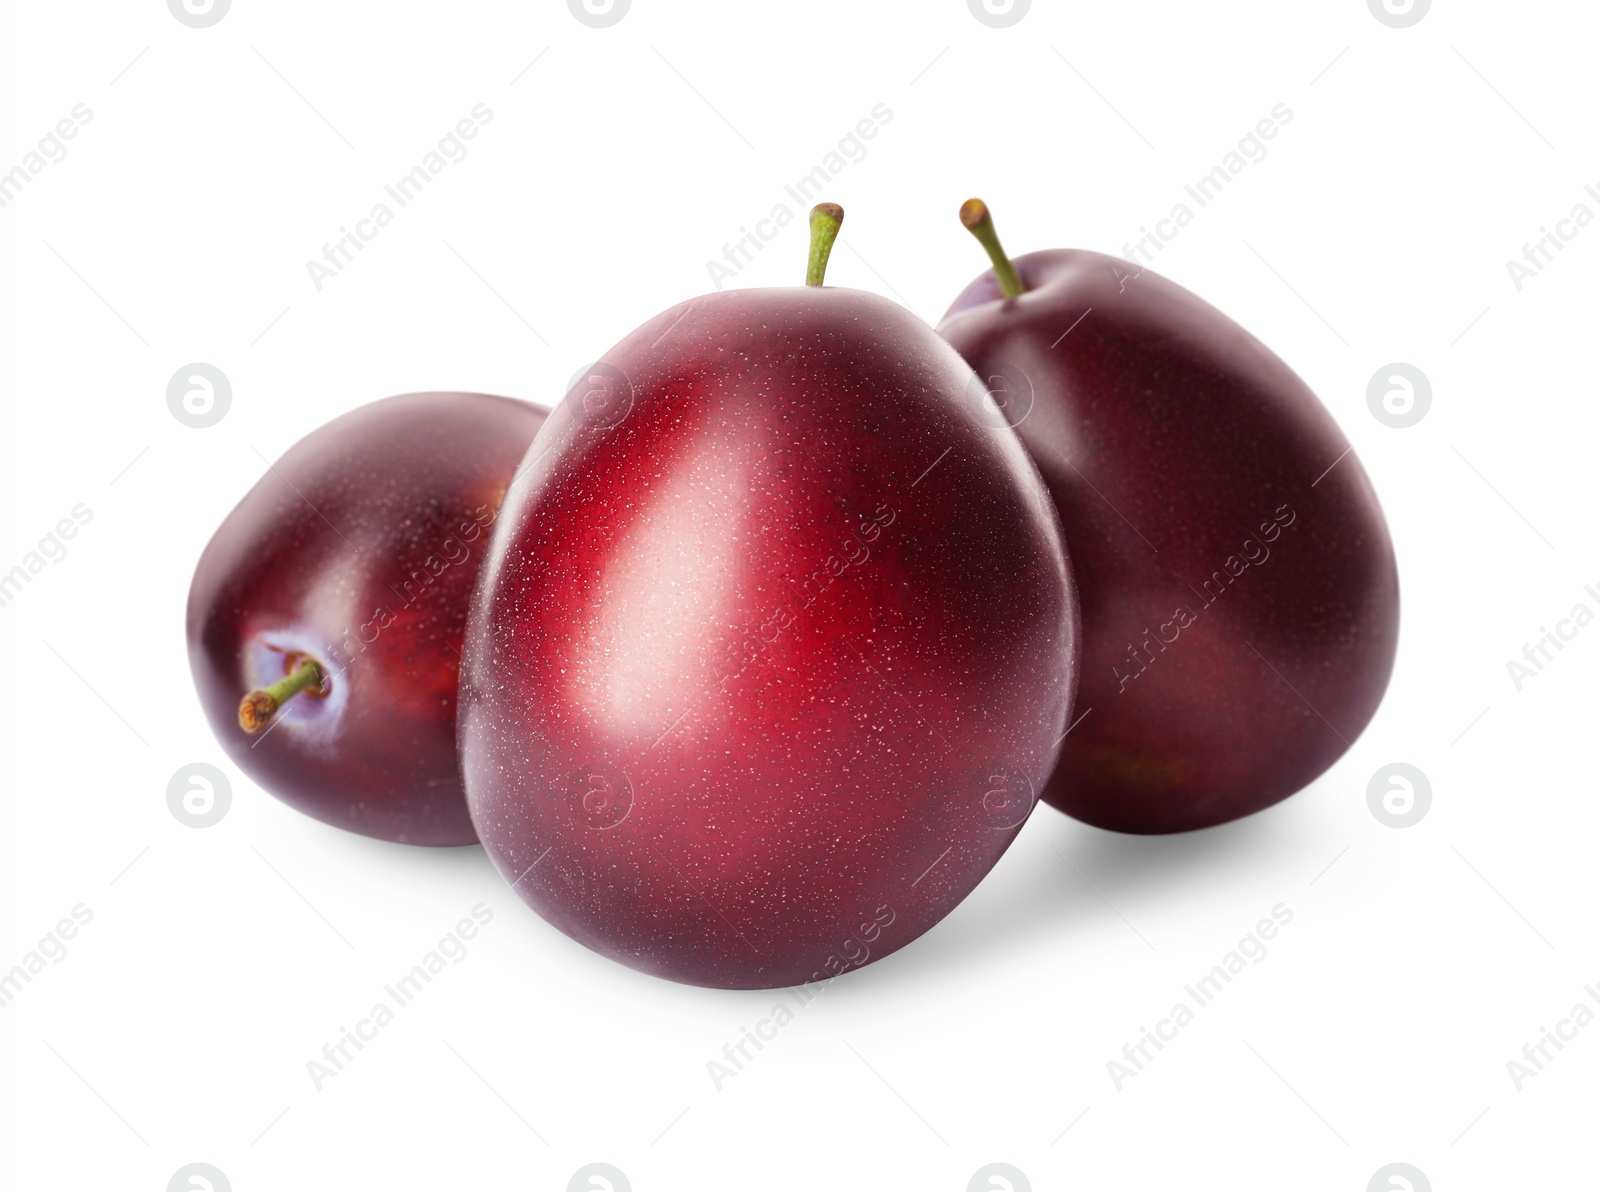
773	646
1240	601
359	549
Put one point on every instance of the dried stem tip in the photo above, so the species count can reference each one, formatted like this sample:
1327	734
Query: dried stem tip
976	219
260	706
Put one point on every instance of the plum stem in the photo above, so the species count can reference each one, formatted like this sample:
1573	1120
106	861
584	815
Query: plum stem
976	219
257	708
825	221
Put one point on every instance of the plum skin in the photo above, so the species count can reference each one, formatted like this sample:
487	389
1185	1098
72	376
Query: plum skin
359	549
773	647
1173	443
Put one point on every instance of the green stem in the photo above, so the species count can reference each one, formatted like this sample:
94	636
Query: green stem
976	219
825	221
257	708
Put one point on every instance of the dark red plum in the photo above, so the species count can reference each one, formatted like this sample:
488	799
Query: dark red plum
774	644
1239	596
326	614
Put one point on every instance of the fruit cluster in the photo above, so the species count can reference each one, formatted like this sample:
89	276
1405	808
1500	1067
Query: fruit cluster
748	660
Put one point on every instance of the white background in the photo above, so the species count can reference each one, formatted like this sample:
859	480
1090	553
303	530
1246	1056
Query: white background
219	961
